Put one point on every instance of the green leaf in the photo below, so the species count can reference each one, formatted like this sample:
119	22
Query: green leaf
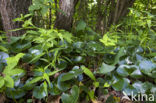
46	77
147	66
71	74
45	87
12	62
120	54
139	87
67	76
88	73
14	39
36	79
21	47
121	70
63	86
1	82
120	84
16	72
9	82
129	90
15	93
3	49
81	26
73	98
104	69
136	74
53	90
39	92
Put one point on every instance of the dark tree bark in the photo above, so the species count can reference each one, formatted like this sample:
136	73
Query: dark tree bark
100	16
64	18
112	13
11	9
1	25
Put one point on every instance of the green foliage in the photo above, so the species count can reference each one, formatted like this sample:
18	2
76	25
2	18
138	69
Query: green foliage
77	65
11	70
73	98
107	41
88	73
104	69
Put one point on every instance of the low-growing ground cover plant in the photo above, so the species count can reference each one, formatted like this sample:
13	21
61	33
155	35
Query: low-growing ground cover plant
50	65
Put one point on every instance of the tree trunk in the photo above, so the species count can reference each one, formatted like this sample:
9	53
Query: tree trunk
112	12
64	18
11	9
100	16
1	25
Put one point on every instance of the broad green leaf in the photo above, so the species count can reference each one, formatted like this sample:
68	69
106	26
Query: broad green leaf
88	73
73	98
139	87
147	66
136	74
14	39
63	86
126	70
9	82
120	54
104	69
12	61
120	84
16	72
129	90
67	76
71	74
53	90
62	65
1	82
121	70
81	26
39	92
21	47
15	93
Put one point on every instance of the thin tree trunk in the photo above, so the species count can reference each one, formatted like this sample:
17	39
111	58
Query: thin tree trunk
11	9
100	16
122	9
64	19
1	25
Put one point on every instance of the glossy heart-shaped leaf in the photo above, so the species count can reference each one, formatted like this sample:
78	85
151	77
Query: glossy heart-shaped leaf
73	97
39	92
104	69
147	66
15	93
